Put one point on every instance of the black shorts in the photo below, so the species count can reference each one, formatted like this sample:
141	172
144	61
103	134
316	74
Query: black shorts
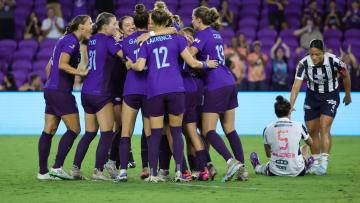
276	16
321	103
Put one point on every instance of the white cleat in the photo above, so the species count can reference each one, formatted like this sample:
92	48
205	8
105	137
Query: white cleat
231	169
164	174
99	176
46	176
154	179
77	174
242	174
60	173
110	166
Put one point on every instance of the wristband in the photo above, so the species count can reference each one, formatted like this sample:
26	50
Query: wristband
152	33
204	64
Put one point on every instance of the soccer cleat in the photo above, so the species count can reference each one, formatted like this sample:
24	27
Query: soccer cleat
254	159
179	178
231	169
187	176
98	175
243	174
131	164
60	173
321	171
204	176
154	179
110	166
313	170
212	171
46	176
145	173
77	174
195	175
121	178
164	174
309	163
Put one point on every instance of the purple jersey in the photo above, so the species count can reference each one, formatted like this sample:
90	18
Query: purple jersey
101	50
59	79
189	83
162	55
209	42
135	82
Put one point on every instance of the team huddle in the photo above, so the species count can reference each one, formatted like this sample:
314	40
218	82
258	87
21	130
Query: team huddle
178	78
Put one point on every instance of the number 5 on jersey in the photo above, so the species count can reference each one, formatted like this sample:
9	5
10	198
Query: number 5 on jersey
283	139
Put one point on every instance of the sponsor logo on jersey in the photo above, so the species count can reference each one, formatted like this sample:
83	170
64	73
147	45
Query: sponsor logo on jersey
72	46
196	40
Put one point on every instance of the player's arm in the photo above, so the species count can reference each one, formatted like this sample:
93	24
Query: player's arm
47	68
120	53
198	64
138	66
299	76
267	150
166	31
65	66
347	85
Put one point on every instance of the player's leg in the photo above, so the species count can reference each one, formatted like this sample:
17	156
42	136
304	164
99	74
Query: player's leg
44	145
255	162
325	145
114	160
128	122
91	128
157	125
72	124
313	127
145	146
105	118
166	151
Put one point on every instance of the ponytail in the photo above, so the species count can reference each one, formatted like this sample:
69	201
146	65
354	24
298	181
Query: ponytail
102	19
74	24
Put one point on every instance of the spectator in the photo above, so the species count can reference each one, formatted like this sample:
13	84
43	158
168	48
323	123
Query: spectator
8	83
243	45
332	17
80	7
353	68
227	16
35	84
280	70
306	34
313	13
352	17
276	13
78	83
56	6
204	3
257	63
32	30
7	18
53	26
234	56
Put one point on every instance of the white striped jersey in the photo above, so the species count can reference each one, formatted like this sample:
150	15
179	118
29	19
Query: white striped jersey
320	79
284	136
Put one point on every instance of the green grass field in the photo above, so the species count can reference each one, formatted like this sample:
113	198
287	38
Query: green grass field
19	166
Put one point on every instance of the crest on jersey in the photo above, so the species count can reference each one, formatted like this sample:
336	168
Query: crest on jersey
72	46
196	40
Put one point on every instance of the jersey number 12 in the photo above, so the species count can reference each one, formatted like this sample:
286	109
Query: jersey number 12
157	52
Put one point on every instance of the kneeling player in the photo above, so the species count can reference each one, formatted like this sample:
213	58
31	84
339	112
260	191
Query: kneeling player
281	142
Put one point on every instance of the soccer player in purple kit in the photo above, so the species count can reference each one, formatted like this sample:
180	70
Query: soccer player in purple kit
165	88
220	97
60	103
96	95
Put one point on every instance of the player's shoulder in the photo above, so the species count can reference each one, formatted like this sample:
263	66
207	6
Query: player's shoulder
304	60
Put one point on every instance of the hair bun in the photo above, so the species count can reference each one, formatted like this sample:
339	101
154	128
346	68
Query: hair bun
160	5
140	8
280	98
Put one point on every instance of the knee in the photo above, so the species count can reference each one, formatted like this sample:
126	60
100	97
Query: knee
324	129
76	130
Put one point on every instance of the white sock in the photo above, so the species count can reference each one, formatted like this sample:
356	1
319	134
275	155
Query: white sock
324	160
260	169
122	171
316	160
229	160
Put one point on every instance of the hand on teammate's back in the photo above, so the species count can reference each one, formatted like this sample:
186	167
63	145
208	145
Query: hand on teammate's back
211	63
128	63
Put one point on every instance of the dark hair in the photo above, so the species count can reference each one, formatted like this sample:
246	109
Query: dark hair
121	21
33	77
208	16
10	78
317	43
74	24
189	29
102	19
159	16
282	106
141	16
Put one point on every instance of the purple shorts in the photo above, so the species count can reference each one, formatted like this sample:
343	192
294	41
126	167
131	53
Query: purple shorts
191	104
59	103
220	100
169	103
93	103
137	101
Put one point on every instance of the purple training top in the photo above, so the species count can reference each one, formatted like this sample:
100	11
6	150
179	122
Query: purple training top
59	79
101	51
135	82
162	55
209	42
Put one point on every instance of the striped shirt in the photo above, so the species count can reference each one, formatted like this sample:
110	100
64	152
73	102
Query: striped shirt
320	79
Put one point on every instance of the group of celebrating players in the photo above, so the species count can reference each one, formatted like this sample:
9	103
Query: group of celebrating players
179	80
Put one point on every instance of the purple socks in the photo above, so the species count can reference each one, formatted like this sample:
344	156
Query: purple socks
65	144
144	150
178	146
165	153
82	148
44	151
114	152
236	146
218	144
124	152
155	138
103	149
